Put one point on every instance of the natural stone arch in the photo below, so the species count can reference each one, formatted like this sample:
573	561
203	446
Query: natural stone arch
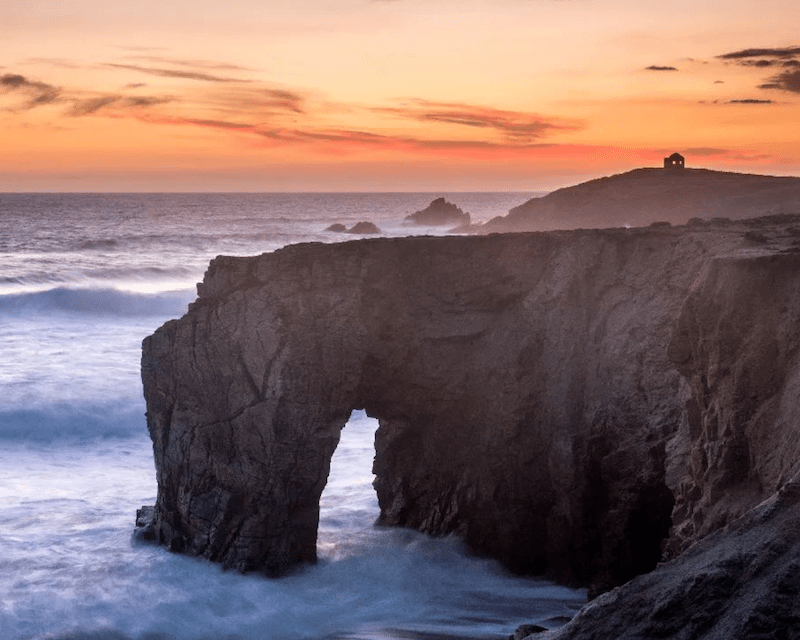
507	372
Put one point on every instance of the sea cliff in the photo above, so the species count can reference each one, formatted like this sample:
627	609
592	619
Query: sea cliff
575	404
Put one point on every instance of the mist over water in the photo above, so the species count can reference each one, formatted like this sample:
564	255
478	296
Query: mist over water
83	279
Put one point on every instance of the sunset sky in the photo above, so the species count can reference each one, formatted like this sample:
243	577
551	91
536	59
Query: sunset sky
390	95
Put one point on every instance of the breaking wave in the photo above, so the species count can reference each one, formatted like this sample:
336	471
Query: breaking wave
100	302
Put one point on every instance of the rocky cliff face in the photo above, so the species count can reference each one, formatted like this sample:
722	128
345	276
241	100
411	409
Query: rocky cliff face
736	342
523	385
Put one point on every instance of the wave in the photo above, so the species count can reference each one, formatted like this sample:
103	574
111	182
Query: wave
100	302
65	421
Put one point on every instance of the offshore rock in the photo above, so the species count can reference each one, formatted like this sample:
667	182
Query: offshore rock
522	382
439	212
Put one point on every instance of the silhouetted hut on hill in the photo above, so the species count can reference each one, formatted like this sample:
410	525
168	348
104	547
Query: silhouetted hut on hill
675	161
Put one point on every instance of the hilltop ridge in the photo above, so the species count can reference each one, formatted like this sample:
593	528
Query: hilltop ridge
643	196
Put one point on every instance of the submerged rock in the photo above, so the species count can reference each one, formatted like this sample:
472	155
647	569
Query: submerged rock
438	213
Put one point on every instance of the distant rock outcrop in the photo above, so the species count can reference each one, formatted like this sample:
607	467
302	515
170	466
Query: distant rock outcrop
566	402
364	228
439	213
360	228
643	196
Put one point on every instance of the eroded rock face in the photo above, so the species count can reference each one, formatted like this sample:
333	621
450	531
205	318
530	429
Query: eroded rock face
740	582
737	342
738	576
525	397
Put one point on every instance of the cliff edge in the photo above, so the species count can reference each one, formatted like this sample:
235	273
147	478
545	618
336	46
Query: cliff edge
568	402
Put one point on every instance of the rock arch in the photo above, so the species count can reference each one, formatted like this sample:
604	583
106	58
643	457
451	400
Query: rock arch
521	383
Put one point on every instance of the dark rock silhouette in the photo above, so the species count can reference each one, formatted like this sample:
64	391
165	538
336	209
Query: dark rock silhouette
364	228
563	401
439	213
360	228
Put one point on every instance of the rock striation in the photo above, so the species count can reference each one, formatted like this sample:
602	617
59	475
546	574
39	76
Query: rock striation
568	402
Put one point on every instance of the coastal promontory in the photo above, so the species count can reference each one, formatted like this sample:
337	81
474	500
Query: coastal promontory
578	404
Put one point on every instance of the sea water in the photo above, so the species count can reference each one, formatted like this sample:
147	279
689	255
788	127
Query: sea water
83	279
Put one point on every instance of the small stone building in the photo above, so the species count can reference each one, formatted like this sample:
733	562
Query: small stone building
675	161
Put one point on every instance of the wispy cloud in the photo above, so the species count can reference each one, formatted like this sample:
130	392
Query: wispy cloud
79	103
193	64
257	100
62	63
655	67
517	125
38	93
96	104
175	73
281	116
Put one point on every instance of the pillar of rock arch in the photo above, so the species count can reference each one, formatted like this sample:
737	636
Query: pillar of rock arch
520	380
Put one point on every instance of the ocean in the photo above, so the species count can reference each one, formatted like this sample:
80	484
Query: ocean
83	279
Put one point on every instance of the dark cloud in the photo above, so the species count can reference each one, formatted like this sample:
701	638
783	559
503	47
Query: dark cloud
785	81
719	82
761	62
791	63
135	85
513	124
787	52
750	101
175	73
655	67
38	93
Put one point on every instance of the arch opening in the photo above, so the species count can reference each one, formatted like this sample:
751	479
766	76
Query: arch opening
348	506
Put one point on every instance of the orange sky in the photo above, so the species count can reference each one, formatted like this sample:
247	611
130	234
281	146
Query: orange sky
390	95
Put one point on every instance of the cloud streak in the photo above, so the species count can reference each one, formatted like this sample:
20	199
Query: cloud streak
193	64
655	67
91	106
514	125
175	73
743	54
